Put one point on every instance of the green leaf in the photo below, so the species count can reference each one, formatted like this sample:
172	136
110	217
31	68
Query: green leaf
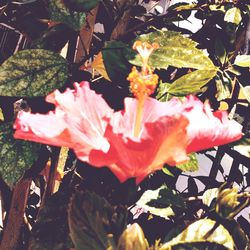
34	72
190	166
16	156
93	222
51	229
54	38
191	83
202	231
224	87
115	54
220	51
175	50
82	5
167	171
233	15
161	201
242	60
162	92
60	13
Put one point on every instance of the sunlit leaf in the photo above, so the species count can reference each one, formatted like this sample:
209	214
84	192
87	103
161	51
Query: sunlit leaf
161	201
242	60
209	195
191	83
162	92
243	146
1	115
223	86
34	72
16	156
185	6
202	231
132	238
166	171
246	92
233	15
175	50
60	13
191	165
216	7
91	219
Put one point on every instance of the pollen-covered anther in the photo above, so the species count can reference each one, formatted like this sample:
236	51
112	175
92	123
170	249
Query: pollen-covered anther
142	85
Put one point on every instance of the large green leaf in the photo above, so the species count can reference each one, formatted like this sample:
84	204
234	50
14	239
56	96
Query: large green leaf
191	83
93	222
191	165
161	201
233	15
60	13
51	231
16	156
175	50
202	231
242	60
34	72
115	54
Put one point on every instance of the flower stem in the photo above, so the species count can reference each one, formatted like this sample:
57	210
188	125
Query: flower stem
139	113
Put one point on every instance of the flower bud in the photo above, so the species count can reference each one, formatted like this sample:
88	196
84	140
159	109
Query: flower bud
132	239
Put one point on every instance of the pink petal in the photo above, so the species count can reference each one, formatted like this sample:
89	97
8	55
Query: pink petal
207	129
76	122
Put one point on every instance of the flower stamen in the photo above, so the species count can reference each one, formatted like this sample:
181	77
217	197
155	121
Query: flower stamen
143	83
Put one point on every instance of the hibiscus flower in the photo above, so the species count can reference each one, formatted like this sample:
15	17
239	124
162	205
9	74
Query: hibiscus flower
83	121
133	142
